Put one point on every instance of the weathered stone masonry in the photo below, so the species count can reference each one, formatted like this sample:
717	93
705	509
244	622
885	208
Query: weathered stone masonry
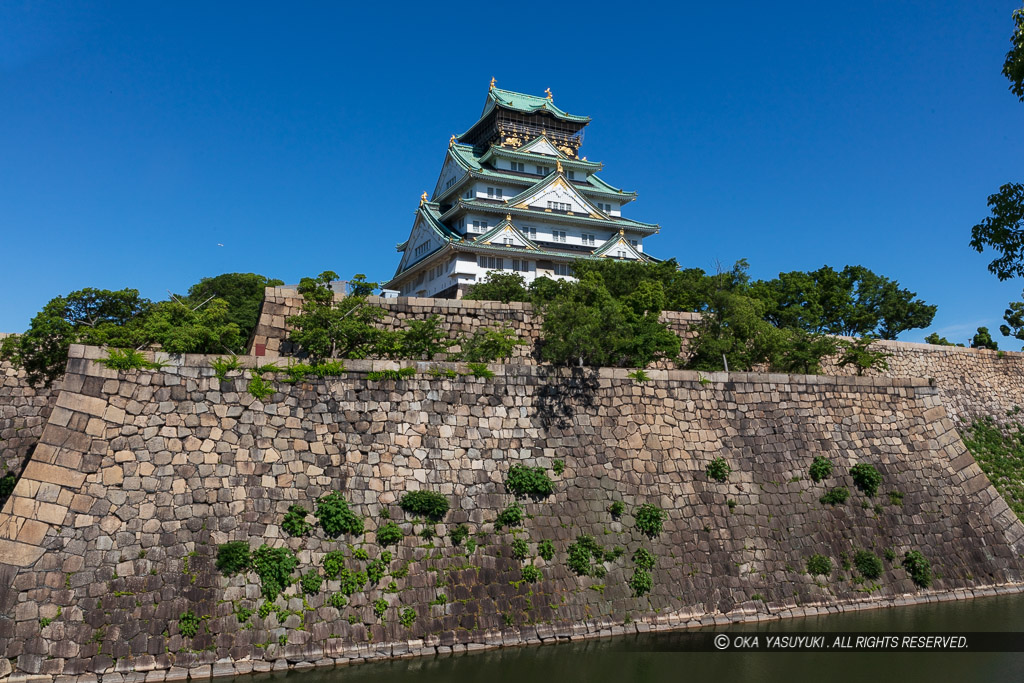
112	530
23	412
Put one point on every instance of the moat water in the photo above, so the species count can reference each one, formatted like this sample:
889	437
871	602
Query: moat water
666	657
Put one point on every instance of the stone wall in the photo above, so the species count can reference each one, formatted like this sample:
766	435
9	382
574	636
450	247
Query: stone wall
112	532
23	412
971	382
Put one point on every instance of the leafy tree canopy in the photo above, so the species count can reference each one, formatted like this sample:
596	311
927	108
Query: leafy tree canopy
983	340
1013	67
243	293
1003	231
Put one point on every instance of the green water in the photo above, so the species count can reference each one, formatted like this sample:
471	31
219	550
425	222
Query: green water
636	658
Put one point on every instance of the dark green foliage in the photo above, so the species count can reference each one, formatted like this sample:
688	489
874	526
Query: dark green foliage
335	517
1013	67
582	554
643	558
406	617
918	567
429	504
520	549
311	582
868	564
983	340
999	452
890	554
480	370
836	496
896	497
351	582
639	376
234	557
499	286
640	582
380	606
376	570
649	519
222	366
489	345
337	329
333	562
1003	231
511	516
7	484
337	600
360	554
274	566
259	388
558	467
529	481
866	478
188	624
297	372
718	469
127	359
617	508
861	356
614	553
389	533
243	294
531	574
585	325
819	565
459	534
394	375
821	468
934	338
294	522
546	549
242	614
424	339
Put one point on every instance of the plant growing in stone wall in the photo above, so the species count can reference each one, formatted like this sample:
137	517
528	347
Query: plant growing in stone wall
511	516
531	574
294	522
188	624
821	468
918	567
836	496
866	478
546	549
222	366
819	565
335	517
529	481
389	534
649	519
234	557
274	566
718	469
584	556
427	504
868	564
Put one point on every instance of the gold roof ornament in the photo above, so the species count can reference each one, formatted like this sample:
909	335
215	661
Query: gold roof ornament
548	91
423	199
622	231
559	166
451	141
492	83
508	217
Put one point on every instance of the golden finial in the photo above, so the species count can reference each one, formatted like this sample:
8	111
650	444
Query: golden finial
559	166
423	198
451	141
584	158
543	131
492	83
622	231
548	91
508	217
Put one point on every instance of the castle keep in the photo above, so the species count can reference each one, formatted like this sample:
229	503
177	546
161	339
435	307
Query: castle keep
514	195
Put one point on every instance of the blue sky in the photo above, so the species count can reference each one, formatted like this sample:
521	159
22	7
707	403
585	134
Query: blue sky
137	137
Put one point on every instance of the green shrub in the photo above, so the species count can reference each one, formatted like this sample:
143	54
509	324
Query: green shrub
819	565
617	508
890	554
274	566
425	504
295	523
311	582
376	570
296	372
243	614
649	519
266	609
836	496
866	478
188	624
234	557
868	564
259	388
821	468
389	533
395	375
644	558
447	373
361	554
896	497
581	555
380	606
640	582
531	574
337	600
614	554
489	345
718	469
127	359
529	481
546	549
406	617
639	376
520	549
919	568
511	516
558	467
459	534
222	366
479	370
334	562
351	582
335	517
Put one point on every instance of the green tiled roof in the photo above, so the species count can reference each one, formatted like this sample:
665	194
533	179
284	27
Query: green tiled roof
571	164
614	223
531	103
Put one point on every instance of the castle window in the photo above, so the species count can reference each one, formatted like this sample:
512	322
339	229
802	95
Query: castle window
543	170
588	239
490	262
557	236
635	243
570	175
479	226
518	166
521	266
563	269
559	206
494	192
530	232
421	249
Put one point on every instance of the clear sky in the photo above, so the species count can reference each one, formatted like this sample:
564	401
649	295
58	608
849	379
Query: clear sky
138	137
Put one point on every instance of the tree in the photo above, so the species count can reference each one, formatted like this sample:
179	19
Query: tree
1013	67
336	329
983	340
499	286
182	328
859	354
86	316
243	293
1003	231
934	338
